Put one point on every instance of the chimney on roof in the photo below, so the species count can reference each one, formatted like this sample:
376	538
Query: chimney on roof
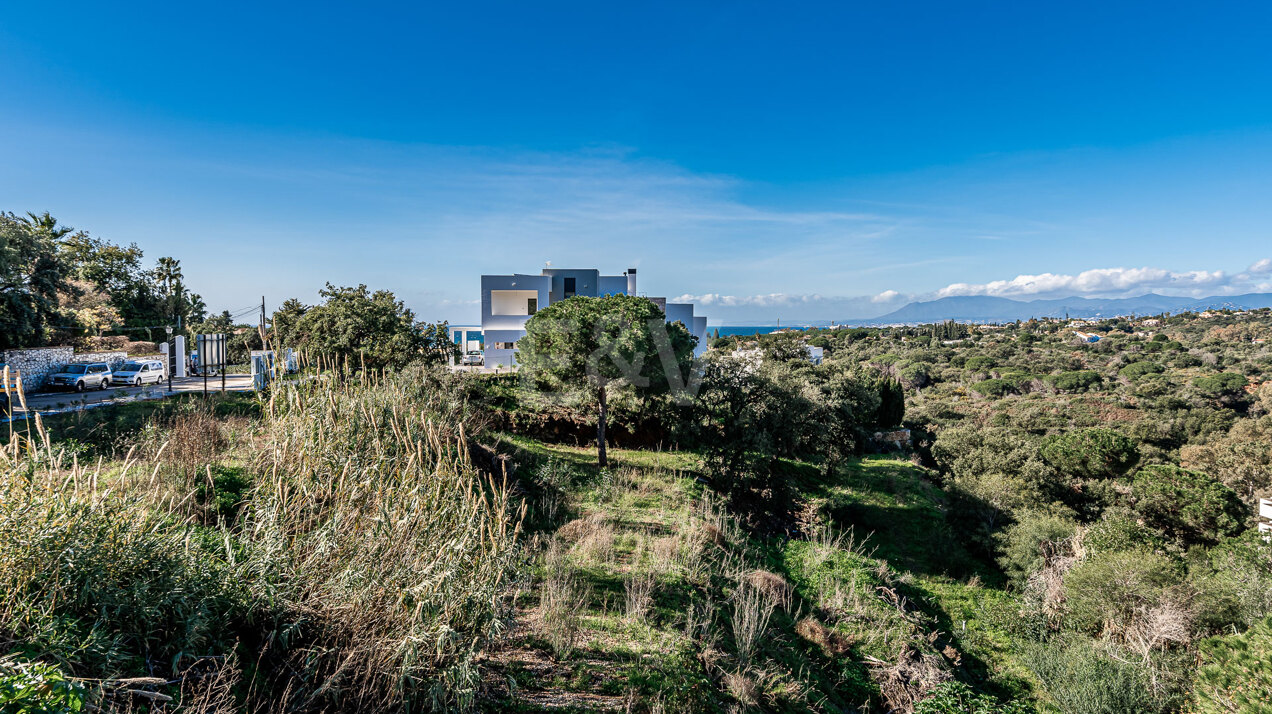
631	281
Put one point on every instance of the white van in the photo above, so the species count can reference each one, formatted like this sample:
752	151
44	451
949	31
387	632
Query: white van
137	373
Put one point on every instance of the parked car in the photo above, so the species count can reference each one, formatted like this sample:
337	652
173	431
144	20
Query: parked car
94	375
473	358
140	372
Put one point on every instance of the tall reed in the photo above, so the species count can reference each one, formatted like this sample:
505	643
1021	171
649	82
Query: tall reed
369	565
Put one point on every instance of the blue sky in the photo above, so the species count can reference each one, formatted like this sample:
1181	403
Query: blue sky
796	160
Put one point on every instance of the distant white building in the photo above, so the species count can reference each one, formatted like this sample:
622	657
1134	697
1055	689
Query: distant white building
508	301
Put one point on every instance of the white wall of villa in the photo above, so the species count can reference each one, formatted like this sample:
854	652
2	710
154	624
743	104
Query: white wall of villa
507	301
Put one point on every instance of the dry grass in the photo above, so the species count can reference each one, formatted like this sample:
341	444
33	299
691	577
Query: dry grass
831	642
562	601
752	610
596	543
193	440
580	529
742	688
664	554
774	587
639	590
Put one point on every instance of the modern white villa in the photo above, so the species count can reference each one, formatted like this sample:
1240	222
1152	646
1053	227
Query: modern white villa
507	301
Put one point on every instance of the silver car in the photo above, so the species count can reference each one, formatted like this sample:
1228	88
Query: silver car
94	375
140	372
473	358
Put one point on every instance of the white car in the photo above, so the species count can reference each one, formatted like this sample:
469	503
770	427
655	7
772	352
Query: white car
139	373
473	358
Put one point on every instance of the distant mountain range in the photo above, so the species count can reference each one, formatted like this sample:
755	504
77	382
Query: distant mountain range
985	309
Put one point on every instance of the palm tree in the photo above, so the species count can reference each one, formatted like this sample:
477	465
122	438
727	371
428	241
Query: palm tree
168	274
47	225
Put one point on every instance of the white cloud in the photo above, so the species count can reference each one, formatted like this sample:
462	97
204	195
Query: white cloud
1103	282
1096	281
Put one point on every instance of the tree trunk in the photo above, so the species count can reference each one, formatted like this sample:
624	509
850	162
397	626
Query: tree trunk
600	430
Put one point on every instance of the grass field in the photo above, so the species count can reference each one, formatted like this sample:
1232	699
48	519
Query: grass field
646	590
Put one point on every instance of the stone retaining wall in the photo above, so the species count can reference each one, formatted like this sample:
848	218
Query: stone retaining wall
37	364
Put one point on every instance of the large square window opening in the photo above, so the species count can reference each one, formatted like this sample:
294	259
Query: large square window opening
569	288
513	302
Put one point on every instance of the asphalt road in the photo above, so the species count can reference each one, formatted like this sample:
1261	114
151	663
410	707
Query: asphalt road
56	401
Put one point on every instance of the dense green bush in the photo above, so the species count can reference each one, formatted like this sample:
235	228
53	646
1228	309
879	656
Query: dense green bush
1241	569
111	584
37	688
1119	531
1185	361
1107	592
994	387
954	697
1135	370
1187	505
1024	544
991	474
1235	674
1091	453
1222	384
980	363
1075	381
1080	679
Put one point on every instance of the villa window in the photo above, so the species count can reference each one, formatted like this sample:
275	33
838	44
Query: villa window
513	302
505	345
569	288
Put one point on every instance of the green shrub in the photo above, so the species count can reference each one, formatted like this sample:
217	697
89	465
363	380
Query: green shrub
1188	505
915	374
1022	544
1091	453
1080	679
1108	591
1185	361
37	688
1235	673
994	387
1118	532
980	363
1241	568
954	697
1135	370
1222	384
1075	381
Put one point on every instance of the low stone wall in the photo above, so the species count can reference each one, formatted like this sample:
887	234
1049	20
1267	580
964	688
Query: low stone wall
37	364
114	359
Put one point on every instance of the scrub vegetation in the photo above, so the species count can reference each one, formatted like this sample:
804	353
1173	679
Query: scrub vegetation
884	532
